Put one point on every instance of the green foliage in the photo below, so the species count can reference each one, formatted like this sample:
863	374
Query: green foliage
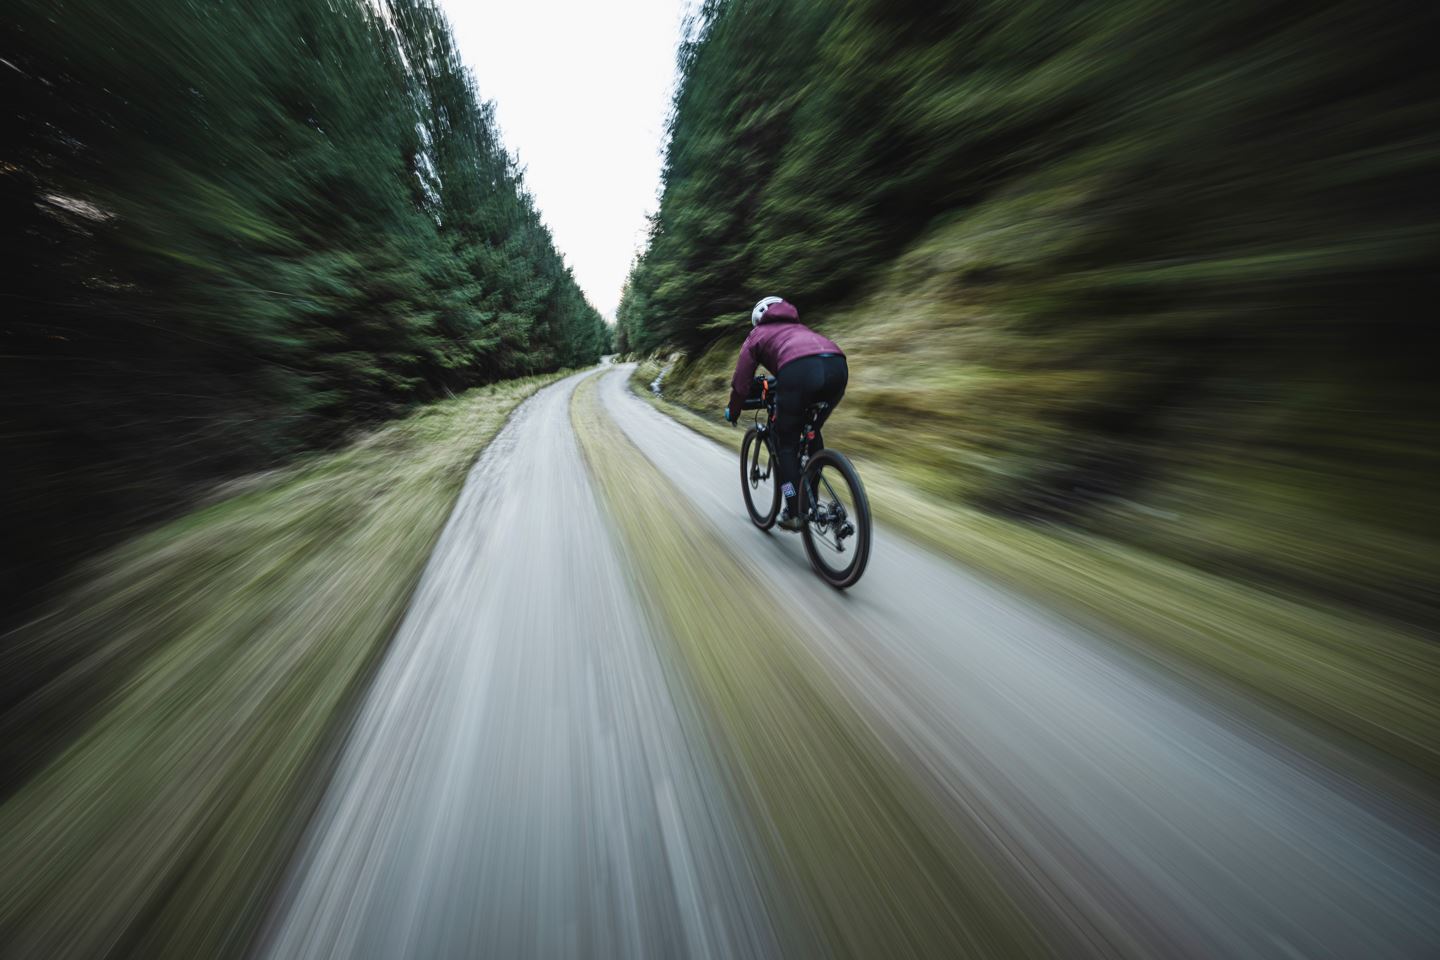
234	231
1245	144
1086	255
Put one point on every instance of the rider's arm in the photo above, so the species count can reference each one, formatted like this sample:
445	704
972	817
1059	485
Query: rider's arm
744	373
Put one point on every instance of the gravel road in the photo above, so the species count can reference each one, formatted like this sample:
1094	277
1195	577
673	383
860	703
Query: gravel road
531	776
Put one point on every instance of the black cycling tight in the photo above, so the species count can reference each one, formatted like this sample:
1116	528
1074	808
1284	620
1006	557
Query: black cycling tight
798	385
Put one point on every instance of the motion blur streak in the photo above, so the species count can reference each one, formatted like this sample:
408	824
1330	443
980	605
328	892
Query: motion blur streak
1157	270
232	232
525	779
212	667
1165	825
531	776
1138	299
879	868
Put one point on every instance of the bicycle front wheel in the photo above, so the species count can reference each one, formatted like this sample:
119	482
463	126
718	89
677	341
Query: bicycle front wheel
837	519
757	479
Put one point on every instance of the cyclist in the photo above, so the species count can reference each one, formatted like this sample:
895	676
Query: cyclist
808	368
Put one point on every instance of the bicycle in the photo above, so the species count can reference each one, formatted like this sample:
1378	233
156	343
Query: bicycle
833	517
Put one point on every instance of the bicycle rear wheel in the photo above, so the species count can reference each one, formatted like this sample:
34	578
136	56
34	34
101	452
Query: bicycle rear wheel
837	519
757	479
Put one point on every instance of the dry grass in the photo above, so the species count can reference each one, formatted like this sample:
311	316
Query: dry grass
882	872
1371	680
217	659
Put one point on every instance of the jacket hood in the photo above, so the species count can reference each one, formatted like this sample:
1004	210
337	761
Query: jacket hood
782	312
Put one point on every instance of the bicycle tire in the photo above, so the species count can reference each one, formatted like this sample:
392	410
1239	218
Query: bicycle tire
851	573
750	451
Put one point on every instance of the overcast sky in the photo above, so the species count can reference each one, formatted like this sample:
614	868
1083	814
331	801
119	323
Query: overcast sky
581	90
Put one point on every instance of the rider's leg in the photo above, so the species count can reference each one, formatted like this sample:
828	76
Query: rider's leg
795	384
835	377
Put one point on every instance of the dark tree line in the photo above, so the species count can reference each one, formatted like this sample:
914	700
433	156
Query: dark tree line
1124	241
1239	144
231	232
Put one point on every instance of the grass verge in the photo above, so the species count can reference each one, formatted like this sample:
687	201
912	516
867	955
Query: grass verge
883	873
1373	681
220	656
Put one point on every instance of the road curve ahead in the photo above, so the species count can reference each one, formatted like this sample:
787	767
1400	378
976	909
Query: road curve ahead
532	775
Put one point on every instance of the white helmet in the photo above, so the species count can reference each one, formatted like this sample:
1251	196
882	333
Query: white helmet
764	304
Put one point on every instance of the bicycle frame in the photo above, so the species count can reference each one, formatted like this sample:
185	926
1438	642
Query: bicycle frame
829	519
807	433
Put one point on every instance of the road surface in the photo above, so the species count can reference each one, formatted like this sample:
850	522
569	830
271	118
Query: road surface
531	776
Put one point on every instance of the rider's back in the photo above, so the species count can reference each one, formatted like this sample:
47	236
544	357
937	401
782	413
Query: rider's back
777	338
776	344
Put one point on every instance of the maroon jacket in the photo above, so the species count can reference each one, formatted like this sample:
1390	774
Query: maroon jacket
778	339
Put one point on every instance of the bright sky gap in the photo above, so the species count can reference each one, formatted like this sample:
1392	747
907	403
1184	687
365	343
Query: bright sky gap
584	108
